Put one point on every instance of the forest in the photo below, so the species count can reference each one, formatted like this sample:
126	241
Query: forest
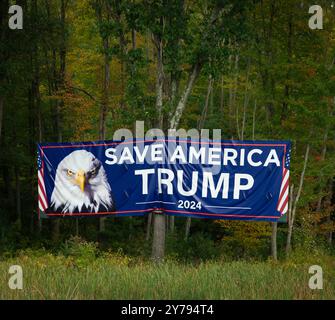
81	69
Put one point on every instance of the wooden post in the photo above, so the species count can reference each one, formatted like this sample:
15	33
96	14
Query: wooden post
158	242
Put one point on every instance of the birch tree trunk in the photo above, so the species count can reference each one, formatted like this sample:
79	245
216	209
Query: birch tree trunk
184	97
244	116
254	120
194	73
294	208
230	97
203	117
290	222
222	102
323	153
323	156
246	101
234	93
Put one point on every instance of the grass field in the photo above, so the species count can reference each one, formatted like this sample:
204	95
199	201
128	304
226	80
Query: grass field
111	276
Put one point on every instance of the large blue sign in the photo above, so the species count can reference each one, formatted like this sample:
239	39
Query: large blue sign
242	180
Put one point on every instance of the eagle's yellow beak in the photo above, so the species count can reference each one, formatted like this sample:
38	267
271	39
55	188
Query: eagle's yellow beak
80	179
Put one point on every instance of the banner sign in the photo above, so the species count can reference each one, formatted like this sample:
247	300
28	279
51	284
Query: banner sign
241	180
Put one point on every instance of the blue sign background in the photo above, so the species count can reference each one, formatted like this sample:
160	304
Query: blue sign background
258	203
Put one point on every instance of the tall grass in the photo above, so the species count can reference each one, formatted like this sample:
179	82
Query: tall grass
113	276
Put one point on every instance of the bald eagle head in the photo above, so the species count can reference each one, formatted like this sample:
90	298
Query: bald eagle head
81	185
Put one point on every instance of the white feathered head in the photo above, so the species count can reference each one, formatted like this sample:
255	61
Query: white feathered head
81	185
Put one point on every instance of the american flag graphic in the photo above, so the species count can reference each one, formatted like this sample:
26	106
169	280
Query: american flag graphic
42	195
282	206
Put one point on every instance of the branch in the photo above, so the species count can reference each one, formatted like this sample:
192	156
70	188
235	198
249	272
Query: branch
85	92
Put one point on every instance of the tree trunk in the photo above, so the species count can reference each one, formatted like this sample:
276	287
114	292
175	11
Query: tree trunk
254	120
246	101
290	222
187	228
184	97
60	86
234	92
230	97
323	156
171	224
159	82
8	179
289	62
158	244
194	73
104	108
203	117
222	96
294	208
3	28
105	99
330	234
18	198
147	237
323	153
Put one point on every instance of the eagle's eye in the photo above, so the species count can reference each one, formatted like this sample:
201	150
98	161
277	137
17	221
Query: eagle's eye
93	171
70	173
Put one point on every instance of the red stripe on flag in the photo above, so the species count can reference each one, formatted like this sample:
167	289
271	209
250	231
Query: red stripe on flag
283	190
283	197
42	196
42	188
41	203
284	205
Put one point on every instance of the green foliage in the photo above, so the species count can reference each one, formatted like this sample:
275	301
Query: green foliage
197	248
82	251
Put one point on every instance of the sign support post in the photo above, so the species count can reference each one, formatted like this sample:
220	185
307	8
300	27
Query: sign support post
158	241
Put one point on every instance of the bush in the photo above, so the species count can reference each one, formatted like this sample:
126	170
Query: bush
81	250
196	247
